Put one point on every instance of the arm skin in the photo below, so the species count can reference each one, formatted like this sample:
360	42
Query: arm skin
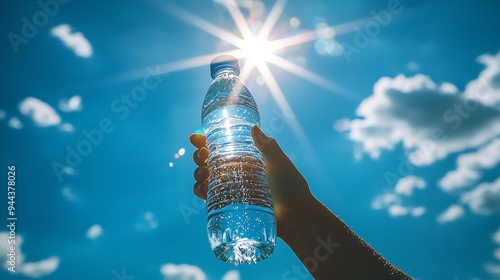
327	247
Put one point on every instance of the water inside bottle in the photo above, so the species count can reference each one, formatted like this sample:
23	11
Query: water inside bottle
242	233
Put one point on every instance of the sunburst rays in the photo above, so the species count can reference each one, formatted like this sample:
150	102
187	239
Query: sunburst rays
257	51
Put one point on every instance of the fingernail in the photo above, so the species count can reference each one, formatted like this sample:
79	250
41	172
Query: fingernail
197	188
262	139
204	187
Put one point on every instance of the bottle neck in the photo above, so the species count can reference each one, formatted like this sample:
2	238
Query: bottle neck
226	71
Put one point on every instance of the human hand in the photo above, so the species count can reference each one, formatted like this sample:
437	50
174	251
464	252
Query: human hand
289	190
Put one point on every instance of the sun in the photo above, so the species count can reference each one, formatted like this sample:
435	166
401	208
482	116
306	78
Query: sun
256	51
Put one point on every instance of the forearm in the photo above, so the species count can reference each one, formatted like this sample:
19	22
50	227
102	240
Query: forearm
330	250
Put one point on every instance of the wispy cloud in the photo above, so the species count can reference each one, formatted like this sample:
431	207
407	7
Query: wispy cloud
431	120
493	269
5	249
496	237
75	41
94	231
394	201
67	127
385	200
14	122
231	275
2	114
29	269
484	199
496	253
148	223
418	211
71	105
182	272
486	88
453	213
412	66
41	268
67	192
470	167
406	185
396	210
40	112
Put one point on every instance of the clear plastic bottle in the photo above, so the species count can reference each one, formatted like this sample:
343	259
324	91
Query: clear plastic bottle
241	223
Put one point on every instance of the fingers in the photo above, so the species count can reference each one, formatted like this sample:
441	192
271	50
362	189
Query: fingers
198	140
200	156
269	147
201	174
200	189
201	186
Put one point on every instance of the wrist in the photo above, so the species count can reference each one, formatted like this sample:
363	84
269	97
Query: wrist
297	216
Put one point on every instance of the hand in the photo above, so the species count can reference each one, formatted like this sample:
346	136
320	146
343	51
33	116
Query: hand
289	190
302	220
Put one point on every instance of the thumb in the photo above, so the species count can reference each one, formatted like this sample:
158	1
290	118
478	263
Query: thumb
269	148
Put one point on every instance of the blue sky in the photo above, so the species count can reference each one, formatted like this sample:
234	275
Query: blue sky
390	109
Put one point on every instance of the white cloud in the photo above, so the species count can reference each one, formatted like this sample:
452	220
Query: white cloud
342	125
41	113
470	167
496	253
67	127
75	41
406	185
496	237
385	200
486	88
4	249
15	123
394	201
150	220
148	223
67	192
493	269
68	170
30	269
453	212
448	88
182	272
397	210
484	199
430	120
71	105
231	275
418	211
41	268
2	114
94	231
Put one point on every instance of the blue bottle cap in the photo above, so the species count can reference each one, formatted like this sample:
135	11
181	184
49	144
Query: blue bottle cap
224	61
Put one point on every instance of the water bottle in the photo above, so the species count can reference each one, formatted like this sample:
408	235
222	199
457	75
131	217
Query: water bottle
241	223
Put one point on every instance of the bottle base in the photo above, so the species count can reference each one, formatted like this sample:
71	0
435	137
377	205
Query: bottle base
242	233
243	251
